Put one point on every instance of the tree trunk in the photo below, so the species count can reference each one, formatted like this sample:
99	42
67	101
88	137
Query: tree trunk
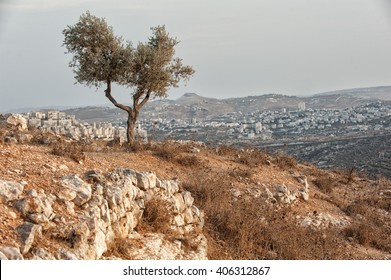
130	130
131	133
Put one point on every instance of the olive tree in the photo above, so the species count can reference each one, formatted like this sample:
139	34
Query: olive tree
102	58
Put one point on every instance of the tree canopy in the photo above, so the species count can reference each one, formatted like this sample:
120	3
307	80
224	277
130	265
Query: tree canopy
101	58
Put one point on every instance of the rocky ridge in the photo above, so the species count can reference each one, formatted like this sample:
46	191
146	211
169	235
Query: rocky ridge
106	209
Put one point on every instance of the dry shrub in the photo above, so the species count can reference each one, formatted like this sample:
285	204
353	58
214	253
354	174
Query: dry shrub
139	146
285	161
225	150
356	208
346	176
170	151
121	248
252	158
373	228
2	134
360	232
240	173
70	150
44	138
369	235
188	161
67	236
166	151
324	182
156	217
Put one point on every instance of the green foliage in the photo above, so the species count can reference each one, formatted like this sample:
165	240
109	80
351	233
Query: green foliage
100	57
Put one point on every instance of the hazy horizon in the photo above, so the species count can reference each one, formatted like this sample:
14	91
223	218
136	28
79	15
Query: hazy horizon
238	48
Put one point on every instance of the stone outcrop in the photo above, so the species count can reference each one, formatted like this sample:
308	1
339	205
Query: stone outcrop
278	194
104	209
10	190
36	207
10	253
18	121
27	232
322	220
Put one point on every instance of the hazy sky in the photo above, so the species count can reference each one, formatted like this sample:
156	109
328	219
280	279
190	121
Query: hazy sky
237	47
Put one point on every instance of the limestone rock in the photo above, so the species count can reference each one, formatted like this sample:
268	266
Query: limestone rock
188	216
170	187
83	190
100	244
10	190
187	197
36	207
179	203
66	194
323	220
41	254
25	137
18	121
155	247
283	195
27	232
3	257
11	253
63	254
194	150
112	207
146	180
179	221
95	176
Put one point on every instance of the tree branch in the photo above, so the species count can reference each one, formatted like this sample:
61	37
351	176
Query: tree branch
145	100
115	103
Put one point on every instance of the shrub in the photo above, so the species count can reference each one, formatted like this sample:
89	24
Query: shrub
324	183
70	150
166	151
121	248
156	217
242	173
285	161
252	158
188	161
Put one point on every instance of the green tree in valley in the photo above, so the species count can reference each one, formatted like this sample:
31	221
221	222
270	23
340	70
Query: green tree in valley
102	58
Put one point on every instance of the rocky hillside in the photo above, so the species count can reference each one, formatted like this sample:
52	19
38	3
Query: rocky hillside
69	200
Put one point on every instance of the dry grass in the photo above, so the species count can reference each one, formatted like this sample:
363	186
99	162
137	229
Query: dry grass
70	150
121	248
166	151
156	217
240	173
251	157
252	229
188	161
285	161
370	227
325	183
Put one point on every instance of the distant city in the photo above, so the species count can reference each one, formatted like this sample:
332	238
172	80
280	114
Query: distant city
231	128
338	130
261	126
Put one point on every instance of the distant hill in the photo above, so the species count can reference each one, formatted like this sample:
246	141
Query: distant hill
381	92
192	105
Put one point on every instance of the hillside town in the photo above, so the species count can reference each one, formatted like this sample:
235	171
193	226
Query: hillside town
300	124
230	128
